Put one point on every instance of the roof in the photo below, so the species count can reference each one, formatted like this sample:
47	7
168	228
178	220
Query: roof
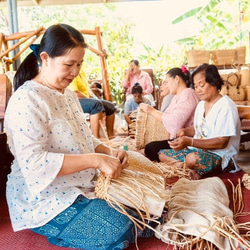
61	2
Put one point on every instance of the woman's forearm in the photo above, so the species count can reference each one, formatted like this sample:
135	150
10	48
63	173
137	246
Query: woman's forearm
212	144
75	163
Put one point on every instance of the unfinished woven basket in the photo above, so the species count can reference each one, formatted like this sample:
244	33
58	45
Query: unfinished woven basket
141	186
148	129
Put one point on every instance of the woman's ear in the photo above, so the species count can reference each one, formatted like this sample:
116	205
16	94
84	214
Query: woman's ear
177	78
44	57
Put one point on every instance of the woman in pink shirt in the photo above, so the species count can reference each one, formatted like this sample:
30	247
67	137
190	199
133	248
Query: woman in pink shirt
135	75
180	112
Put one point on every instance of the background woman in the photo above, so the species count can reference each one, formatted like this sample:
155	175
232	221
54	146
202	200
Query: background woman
166	97
180	112
135	75
215	136
133	103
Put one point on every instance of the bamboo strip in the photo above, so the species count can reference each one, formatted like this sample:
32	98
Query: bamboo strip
36	32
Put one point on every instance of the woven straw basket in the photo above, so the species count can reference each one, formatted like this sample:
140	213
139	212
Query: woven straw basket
141	186
148	129
240	56
224	56
197	57
245	76
230	56
232	87
247	88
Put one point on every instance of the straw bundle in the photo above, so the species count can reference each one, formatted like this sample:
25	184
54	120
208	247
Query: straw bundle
174	169
246	181
138	161
132	126
148	129
199	217
141	186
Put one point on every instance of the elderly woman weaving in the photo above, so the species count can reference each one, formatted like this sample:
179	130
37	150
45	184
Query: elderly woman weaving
212	144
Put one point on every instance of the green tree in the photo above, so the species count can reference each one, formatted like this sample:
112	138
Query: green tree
225	25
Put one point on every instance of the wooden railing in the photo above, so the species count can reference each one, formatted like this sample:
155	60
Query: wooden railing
31	36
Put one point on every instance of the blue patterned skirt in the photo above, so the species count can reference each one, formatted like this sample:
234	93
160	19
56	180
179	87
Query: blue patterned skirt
207	160
91	225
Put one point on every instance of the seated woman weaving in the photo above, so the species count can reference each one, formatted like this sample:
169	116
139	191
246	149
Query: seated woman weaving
180	112
212	144
51	187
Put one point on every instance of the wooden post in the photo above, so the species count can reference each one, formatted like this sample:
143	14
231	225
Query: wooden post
106	87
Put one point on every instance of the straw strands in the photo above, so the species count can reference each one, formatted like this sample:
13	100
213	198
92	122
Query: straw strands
206	222
148	129
194	227
141	187
246	181
173	169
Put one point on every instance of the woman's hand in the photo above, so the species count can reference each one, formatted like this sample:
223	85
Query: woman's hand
122	156
112	164
109	165
146	108
131	70
180	143
181	133
186	132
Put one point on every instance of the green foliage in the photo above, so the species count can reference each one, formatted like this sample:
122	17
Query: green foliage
224	25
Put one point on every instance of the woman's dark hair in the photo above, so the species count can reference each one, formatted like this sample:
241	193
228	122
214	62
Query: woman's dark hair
137	88
56	41
136	62
98	85
212	75
179	72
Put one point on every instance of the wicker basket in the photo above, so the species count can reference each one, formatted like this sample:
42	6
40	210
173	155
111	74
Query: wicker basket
245	76
240	56
247	88
224	57
197	57
141	186
148	129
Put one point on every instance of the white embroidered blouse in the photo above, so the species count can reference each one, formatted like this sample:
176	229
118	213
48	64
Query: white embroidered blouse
42	125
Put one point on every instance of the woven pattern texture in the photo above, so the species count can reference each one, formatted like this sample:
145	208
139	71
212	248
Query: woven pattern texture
148	129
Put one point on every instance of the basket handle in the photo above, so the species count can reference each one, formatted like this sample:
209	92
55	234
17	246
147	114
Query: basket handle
237	81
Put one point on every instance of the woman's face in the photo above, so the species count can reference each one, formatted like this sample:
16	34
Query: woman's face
138	97
60	71
204	90
171	84
133	68
164	89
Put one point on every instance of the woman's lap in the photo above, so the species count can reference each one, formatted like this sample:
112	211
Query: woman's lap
206	160
91	106
89	224
109	107
152	149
